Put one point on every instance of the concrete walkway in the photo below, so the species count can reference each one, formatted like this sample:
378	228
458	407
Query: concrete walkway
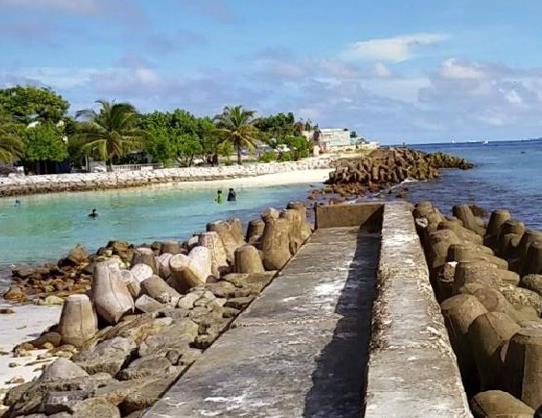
300	349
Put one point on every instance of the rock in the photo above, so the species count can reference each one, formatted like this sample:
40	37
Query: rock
48	338
137	328
213	242
223	288
153	365
146	304
15	294
187	301
144	255
109	293
6	311
77	255
532	263
163	265
141	272
496	403
177	336
64	401
239	303
62	369
95	407
249	284
147	395
51	300
158	289
275	244
269	214
248	260
192	270
78	321
109	356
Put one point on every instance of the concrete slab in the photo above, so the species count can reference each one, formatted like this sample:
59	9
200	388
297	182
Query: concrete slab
300	349
412	369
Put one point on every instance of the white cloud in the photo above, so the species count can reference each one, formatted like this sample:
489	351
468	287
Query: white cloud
453	69
381	71
395	49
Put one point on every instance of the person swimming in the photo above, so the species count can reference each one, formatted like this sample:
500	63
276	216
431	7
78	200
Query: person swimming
219	198
93	214
232	195
17	203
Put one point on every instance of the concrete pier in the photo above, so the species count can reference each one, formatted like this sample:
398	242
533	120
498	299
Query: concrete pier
300	349
305	348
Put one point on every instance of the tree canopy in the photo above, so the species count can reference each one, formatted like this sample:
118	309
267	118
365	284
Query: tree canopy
237	125
30	104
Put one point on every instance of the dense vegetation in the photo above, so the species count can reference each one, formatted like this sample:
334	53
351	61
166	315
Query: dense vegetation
36	131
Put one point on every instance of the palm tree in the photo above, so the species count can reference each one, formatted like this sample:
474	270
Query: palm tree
11	146
237	126
110	133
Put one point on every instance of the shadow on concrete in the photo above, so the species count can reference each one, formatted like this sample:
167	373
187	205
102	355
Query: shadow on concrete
339	381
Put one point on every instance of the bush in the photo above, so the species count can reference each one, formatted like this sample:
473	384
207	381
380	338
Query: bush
285	156
267	157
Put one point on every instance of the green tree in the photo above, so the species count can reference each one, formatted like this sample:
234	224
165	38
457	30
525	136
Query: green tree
30	104
160	145
44	142
188	147
11	145
111	133
237	125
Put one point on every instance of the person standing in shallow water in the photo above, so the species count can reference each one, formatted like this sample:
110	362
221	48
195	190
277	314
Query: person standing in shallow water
93	214
219	198
232	195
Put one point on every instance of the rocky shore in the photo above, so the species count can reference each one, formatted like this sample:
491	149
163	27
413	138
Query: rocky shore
24	185
135	318
487	276
384	168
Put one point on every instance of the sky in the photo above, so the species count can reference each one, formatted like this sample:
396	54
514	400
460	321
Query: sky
392	70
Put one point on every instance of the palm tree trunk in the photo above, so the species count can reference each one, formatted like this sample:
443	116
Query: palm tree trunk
239	161
109	164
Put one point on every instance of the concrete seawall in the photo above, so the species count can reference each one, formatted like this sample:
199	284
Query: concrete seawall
349	328
413	370
23	185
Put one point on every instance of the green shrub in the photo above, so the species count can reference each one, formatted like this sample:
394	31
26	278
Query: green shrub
285	156
267	157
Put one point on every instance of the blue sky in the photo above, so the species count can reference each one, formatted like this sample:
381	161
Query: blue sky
416	71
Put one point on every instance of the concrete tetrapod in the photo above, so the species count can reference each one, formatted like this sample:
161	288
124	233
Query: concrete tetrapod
306	230
229	235
191	270
162	262
254	231
248	260
533	260
461	232
171	247
464	213
497	219
467	272
109	293
499	404
78	322
158	289
219	260
523	366
141	272
487	334
145	255
133	285
459	313
275	243
509	238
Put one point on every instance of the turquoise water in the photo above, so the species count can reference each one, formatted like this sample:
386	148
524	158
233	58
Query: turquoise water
45	227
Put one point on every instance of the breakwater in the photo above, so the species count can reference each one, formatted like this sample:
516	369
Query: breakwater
487	278
151	313
23	185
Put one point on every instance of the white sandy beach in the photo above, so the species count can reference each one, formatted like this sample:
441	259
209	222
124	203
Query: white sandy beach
27	323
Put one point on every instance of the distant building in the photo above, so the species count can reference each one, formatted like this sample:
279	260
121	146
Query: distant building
331	138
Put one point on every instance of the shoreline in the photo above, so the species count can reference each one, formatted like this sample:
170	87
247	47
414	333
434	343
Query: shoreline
194	176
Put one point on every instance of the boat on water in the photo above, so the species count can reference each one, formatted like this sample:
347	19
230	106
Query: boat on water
485	142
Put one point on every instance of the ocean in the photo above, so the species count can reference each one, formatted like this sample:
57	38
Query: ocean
506	175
